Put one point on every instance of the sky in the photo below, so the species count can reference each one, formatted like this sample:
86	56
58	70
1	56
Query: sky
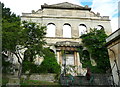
104	7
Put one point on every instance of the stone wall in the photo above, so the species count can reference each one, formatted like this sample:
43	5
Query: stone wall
113	45
98	79
71	16
59	15
41	77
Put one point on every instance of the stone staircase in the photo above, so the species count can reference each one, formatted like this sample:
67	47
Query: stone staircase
81	81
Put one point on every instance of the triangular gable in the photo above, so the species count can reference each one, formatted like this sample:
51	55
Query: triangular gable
66	5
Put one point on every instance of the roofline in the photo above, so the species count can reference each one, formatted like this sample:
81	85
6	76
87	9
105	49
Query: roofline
113	32
113	39
53	7
66	17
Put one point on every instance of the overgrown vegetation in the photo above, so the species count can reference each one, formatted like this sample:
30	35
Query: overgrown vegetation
27	36
10	31
49	64
95	42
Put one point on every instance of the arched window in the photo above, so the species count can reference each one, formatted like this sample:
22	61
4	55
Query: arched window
82	29
52	51
67	30
85	55
99	27
50	30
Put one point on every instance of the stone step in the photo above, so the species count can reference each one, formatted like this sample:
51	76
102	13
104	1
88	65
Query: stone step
65	80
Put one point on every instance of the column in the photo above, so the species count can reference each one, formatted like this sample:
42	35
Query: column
75	62
58	56
79	63
75	59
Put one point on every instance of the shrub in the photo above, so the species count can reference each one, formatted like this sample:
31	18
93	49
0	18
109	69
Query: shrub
49	65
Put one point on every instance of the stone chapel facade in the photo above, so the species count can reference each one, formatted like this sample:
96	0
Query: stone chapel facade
66	22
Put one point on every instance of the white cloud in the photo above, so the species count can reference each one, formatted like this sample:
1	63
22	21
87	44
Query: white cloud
107	8
26	6
104	7
114	24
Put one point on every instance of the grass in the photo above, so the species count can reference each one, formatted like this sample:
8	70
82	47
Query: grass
32	83
4	80
39	83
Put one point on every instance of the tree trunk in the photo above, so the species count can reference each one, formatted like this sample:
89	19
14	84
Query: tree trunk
20	71
20	66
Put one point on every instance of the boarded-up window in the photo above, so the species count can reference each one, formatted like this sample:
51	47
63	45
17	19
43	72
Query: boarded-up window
69	59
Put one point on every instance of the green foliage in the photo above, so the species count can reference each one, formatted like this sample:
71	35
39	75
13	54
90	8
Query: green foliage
27	35
50	62
25	83
29	67
10	29
5	80
95	42
31	37
49	65
5	65
10	35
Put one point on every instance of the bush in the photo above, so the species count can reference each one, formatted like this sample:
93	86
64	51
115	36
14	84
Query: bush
29	66
95	42
49	65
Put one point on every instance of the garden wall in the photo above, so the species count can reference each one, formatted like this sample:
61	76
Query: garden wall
41	77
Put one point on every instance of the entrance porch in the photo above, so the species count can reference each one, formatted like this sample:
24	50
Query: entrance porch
68	57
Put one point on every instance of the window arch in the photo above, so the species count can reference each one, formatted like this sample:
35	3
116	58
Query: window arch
52	51
99	27
67	30
51	28
82	29
85	55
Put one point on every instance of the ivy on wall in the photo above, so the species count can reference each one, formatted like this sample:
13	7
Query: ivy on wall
49	64
95	42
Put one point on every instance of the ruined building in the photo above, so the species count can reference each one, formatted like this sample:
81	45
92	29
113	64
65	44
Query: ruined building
65	23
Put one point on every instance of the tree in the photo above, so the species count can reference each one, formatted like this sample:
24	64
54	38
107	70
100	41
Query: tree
95	42
10	29
25	40
32	38
49	64
19	37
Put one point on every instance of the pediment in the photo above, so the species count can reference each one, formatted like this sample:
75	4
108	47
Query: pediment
65	5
